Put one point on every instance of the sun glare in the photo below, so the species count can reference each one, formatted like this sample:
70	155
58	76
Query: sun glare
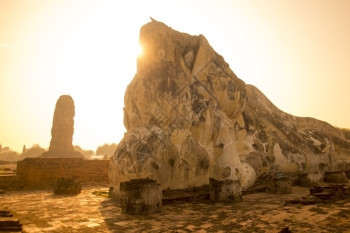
139	50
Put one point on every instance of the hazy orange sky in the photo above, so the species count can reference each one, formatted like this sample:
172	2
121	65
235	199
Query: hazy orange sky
297	52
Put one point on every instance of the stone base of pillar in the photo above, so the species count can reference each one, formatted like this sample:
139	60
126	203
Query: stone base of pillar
225	190
347	173
309	179
335	177
140	196
278	184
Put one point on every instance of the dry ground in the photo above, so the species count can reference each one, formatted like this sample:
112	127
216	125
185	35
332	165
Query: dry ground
93	211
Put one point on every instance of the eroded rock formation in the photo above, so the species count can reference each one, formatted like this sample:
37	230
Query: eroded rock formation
62	130
188	119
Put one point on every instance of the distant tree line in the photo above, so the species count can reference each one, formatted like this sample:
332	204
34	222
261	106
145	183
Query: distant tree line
85	153
6	154
107	150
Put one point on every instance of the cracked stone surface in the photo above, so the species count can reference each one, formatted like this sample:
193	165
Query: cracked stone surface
93	211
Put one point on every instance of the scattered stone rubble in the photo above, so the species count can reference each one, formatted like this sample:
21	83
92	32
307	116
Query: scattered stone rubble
8	223
137	192
323	194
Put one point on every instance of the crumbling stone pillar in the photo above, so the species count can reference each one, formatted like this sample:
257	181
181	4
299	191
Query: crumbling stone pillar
62	130
225	190
141	196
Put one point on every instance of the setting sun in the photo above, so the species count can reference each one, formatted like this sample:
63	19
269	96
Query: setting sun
139	50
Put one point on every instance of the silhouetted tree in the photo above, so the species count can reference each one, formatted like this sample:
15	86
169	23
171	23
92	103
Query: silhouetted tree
6	154
106	149
85	153
33	152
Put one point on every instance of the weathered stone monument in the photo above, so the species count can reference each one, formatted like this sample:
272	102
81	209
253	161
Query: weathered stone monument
62	130
178	114
190	119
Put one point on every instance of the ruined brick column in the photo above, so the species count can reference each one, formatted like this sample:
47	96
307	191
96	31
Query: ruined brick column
62	130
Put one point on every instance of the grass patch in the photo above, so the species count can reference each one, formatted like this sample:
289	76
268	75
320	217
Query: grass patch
99	193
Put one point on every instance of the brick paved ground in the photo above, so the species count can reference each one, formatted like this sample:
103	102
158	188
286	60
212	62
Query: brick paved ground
93	211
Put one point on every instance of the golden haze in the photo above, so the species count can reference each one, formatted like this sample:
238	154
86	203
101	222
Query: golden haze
296	52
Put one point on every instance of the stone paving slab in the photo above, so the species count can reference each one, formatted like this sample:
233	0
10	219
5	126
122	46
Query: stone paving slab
93	211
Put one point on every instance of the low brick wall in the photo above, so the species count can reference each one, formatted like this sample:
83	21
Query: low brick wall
42	172
9	182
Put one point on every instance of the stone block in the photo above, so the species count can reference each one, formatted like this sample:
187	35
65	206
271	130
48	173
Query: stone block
347	173
140	196
284	185
225	190
67	186
335	177
279	184
310	179
10	225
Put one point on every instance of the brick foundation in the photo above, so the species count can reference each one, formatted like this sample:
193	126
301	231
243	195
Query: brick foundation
42	172
9	182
